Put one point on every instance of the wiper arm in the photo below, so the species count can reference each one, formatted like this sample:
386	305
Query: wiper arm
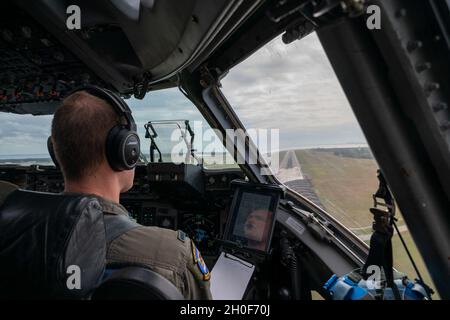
153	145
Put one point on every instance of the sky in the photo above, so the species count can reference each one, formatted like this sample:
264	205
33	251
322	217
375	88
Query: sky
294	88
287	87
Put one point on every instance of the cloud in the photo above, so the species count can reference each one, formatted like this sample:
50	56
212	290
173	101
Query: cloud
24	134
292	88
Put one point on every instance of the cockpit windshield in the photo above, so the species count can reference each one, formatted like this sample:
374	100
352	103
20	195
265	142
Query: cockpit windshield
182	134
23	139
323	154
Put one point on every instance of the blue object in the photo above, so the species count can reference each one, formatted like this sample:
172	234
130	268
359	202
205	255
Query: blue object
353	287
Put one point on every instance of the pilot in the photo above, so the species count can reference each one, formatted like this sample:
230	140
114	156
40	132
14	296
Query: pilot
80	129
256	229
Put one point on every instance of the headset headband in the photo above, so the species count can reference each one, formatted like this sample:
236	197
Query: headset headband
113	99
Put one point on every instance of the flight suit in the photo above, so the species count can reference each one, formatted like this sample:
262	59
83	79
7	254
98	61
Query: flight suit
169	253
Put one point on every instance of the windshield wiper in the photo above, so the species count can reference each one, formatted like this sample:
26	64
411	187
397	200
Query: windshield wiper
150	133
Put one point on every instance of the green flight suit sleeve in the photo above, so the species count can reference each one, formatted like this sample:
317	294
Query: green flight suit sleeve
197	275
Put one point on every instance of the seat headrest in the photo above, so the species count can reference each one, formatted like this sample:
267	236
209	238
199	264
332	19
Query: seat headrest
46	241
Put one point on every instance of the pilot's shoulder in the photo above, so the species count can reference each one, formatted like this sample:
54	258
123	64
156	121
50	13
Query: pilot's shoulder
152	246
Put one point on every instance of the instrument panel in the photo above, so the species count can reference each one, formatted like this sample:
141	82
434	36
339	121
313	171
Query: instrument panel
36	69
203	226
196	202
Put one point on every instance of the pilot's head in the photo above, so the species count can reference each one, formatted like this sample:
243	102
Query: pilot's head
79	131
256	228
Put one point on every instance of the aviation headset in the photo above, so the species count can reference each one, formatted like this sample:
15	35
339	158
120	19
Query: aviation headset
122	142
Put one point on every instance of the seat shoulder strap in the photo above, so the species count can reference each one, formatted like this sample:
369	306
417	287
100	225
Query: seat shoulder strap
116	225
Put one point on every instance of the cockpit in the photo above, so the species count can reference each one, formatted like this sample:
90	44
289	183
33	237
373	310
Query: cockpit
352	125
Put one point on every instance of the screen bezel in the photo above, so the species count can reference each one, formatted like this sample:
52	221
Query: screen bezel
273	191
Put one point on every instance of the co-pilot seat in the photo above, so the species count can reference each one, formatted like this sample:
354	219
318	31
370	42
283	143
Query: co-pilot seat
53	246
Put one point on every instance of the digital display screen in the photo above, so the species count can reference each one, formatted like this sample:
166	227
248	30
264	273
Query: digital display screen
252	219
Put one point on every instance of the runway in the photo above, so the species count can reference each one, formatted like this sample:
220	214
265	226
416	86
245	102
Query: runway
290	173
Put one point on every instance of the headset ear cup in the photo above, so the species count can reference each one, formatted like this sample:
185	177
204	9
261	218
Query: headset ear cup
131	149
51	151
122	148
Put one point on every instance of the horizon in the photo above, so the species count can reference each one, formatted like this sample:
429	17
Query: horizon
327	146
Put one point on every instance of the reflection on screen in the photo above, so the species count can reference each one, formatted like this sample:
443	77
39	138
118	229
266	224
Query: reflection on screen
253	220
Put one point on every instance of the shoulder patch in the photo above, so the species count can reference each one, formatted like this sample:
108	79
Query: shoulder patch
181	236
199	262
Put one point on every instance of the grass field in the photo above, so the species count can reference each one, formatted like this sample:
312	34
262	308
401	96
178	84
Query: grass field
344	184
338	181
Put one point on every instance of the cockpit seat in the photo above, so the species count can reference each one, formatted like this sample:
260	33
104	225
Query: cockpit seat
53	246
136	283
5	189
